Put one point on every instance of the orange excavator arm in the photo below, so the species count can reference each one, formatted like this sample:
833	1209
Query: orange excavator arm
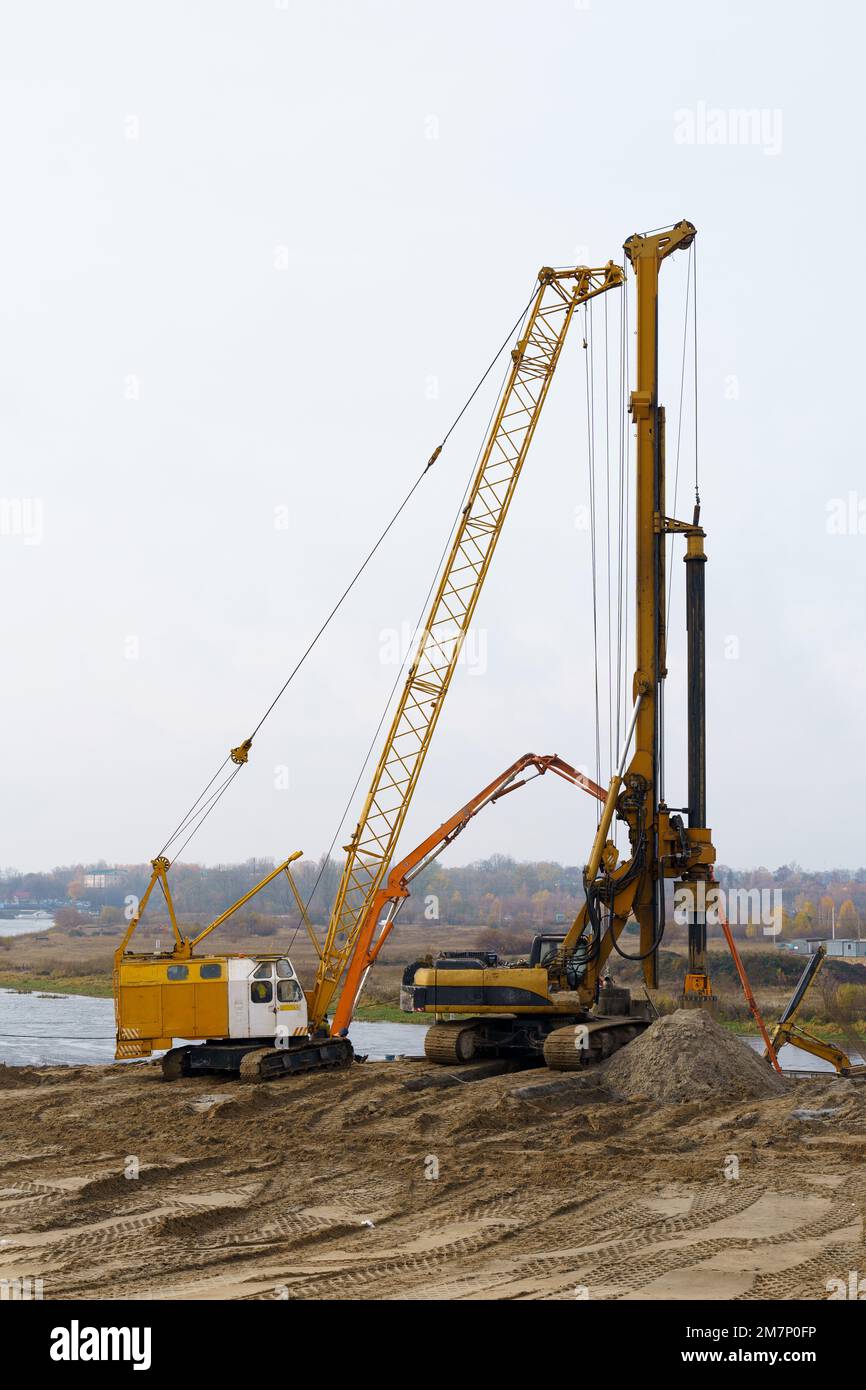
394	891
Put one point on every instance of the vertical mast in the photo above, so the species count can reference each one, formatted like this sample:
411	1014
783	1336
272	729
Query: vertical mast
661	844
695	560
646	253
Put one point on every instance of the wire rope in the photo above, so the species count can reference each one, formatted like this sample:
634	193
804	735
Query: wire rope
202	813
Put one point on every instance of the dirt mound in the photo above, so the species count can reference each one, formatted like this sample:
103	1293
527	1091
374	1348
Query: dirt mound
15	1077
687	1056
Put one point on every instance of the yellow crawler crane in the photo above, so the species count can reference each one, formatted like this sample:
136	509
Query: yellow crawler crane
141	1026
248	1013
561	1005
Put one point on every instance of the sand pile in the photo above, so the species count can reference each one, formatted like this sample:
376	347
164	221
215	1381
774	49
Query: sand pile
688	1056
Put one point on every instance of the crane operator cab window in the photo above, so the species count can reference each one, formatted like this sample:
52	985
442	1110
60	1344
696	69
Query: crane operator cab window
262	988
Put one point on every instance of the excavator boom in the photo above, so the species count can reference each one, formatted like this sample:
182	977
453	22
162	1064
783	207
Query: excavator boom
394	891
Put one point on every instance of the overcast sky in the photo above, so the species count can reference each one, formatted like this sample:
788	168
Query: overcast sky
255	256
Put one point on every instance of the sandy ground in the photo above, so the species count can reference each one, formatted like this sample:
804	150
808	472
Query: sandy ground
316	1187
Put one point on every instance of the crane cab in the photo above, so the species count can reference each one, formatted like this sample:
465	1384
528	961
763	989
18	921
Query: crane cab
160	998
265	998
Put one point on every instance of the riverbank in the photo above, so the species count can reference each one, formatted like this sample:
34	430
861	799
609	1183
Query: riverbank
91	986
62	962
98	986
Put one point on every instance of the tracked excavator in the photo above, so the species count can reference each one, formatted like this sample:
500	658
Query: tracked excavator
560	1005
249	1015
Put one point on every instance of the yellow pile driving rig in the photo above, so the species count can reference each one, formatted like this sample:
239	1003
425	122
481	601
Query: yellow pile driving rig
561	1005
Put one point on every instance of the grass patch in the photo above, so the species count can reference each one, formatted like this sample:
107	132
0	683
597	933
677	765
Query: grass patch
96	986
387	1013
827	1032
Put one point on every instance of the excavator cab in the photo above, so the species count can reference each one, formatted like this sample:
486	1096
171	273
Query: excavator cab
545	947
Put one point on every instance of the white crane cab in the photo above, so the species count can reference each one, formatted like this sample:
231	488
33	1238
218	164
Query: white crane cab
265	998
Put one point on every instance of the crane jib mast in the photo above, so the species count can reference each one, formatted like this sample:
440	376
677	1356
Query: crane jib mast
369	851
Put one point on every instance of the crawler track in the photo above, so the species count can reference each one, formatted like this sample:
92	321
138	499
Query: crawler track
570	1049
448	1044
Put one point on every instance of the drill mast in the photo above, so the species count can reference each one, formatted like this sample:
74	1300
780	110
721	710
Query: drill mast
661	845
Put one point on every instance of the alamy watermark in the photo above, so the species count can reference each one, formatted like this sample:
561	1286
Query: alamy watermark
736	906
21	1290
759	127
396	645
22	518
852	1287
846	516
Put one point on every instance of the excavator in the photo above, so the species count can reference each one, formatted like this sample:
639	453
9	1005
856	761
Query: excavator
250	1016
788	1030
561	1005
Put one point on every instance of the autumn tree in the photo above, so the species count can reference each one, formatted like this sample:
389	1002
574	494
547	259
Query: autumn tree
68	917
849	919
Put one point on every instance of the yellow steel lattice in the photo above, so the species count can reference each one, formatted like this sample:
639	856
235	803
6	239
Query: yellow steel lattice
369	852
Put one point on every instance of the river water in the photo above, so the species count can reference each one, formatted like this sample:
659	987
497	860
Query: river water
59	1029
71	1029
23	926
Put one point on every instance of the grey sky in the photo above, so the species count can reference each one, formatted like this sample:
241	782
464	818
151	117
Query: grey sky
255	255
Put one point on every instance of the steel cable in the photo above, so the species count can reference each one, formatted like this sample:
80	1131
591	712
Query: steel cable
188	818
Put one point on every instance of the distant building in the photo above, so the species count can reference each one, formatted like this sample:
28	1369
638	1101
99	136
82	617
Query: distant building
101	878
846	946
842	946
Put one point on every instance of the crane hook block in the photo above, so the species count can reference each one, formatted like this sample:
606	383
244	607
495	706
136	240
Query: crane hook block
241	754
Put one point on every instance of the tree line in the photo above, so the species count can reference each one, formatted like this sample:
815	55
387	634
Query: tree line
500	893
